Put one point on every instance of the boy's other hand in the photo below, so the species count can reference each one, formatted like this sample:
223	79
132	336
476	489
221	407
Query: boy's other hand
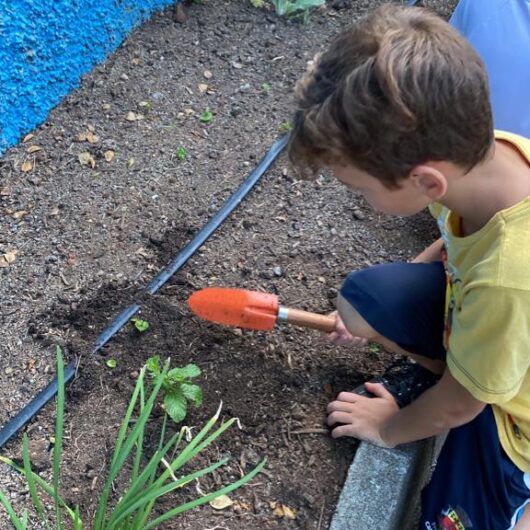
362	417
341	335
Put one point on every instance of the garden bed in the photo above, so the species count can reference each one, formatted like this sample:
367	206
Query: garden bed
86	239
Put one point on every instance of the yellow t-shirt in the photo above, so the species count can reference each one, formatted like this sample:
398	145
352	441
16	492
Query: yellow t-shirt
489	342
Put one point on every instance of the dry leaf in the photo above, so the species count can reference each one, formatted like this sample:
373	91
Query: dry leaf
20	214
28	137
207	74
10	256
54	211
81	137
222	502
72	260
237	65
86	159
203	87
189	112
92	138
135	61
132	116
26	166
130	163
5	192
282	510
34	148
91	128
109	156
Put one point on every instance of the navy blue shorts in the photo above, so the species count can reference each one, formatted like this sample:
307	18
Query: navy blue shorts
474	485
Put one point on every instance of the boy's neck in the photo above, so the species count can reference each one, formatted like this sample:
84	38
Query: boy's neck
500	182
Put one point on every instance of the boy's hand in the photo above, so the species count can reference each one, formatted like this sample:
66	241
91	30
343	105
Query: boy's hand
362	417
342	336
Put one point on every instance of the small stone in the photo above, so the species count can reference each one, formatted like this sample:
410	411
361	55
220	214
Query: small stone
359	215
278	271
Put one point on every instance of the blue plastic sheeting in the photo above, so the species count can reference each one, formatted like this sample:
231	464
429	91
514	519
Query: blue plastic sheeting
500	32
45	47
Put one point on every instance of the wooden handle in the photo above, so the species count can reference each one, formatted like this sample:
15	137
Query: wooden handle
306	319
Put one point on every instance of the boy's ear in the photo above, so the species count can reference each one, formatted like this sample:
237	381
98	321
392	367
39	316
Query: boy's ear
430	181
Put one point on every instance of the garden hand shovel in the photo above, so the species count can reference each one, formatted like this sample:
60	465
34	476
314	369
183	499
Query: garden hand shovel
252	309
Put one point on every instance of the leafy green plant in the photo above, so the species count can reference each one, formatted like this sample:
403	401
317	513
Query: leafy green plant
178	388
286	127
160	474
293	7
140	325
206	116
111	363
265	87
182	153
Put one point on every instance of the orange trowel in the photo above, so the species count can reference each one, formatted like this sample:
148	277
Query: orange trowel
252	309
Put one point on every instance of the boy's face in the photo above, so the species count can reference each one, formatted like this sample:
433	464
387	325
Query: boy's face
406	200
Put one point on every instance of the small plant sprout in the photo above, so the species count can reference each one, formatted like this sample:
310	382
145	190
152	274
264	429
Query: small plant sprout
182	153
177	387
258	4
373	348
111	363
265	88
295	7
206	116
140	325
286	127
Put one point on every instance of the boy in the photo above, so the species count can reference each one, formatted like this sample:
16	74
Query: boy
398	108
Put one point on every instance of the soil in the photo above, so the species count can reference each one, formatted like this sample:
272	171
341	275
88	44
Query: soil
84	239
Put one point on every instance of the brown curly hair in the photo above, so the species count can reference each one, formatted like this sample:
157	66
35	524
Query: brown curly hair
399	88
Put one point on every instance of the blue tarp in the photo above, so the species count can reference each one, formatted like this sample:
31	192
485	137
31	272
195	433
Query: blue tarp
500	32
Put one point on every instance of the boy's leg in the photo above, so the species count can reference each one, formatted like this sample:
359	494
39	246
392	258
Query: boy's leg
358	326
474	484
400	306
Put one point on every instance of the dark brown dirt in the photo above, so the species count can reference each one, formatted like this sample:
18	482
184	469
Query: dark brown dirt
91	238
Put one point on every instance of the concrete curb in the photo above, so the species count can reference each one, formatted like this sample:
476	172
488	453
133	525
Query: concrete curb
382	487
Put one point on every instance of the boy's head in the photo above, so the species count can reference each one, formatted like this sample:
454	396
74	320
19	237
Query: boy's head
398	90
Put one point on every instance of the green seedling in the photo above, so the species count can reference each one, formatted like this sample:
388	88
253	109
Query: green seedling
177	387
145	106
373	348
206	116
258	4
295	7
140	325
265	87
111	363
286	127
182	153
145	478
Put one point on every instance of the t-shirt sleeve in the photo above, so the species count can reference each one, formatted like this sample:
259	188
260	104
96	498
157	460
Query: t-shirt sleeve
489	345
435	209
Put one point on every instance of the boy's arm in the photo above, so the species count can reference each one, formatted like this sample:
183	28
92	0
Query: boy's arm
378	420
431	253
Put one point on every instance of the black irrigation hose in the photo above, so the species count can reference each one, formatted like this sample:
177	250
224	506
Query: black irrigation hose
45	395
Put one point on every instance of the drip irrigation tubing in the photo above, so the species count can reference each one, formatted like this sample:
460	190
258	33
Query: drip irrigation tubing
46	394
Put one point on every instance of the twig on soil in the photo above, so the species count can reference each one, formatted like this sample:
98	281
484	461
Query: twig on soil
321	516
311	431
65	281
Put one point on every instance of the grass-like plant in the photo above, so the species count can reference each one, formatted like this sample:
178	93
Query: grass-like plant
149	479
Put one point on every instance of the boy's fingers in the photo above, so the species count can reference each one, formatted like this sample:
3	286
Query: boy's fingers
338	417
378	390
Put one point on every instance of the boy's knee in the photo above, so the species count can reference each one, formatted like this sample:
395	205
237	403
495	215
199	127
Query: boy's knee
354	321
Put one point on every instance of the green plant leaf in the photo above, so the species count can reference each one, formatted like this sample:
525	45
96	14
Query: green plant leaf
140	325
206	116
286	127
182	153
265	87
192	393
175	405
153	365
189	371
111	363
